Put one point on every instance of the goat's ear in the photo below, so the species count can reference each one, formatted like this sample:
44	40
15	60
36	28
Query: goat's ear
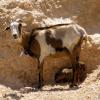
20	24
7	28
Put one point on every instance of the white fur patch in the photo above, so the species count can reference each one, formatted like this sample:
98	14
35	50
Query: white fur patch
71	38
53	33
42	32
45	48
14	28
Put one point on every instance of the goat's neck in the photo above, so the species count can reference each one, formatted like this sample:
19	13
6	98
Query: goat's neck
23	40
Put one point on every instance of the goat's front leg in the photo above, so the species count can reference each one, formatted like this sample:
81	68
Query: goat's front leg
40	68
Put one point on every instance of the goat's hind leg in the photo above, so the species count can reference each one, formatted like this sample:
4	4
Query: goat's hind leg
75	67
74	80
74	63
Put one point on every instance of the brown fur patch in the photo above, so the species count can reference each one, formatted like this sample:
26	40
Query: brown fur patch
55	43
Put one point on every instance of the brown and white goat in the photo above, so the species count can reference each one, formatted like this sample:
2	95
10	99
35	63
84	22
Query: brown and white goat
47	40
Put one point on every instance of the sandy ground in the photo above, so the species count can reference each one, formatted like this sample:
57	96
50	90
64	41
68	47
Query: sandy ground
88	90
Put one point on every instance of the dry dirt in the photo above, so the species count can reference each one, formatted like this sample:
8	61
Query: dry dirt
89	90
18	75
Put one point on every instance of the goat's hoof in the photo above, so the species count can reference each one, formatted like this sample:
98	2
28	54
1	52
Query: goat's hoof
40	86
36	88
74	86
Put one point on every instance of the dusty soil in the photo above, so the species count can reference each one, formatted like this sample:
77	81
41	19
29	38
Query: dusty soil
89	90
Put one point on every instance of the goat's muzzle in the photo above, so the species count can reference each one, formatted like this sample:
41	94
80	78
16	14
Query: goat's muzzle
15	36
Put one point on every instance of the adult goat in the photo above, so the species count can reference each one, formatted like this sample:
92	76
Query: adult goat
48	40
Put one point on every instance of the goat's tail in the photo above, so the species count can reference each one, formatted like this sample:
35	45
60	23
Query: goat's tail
88	41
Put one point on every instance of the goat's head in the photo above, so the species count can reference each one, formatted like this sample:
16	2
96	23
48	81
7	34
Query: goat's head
15	27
